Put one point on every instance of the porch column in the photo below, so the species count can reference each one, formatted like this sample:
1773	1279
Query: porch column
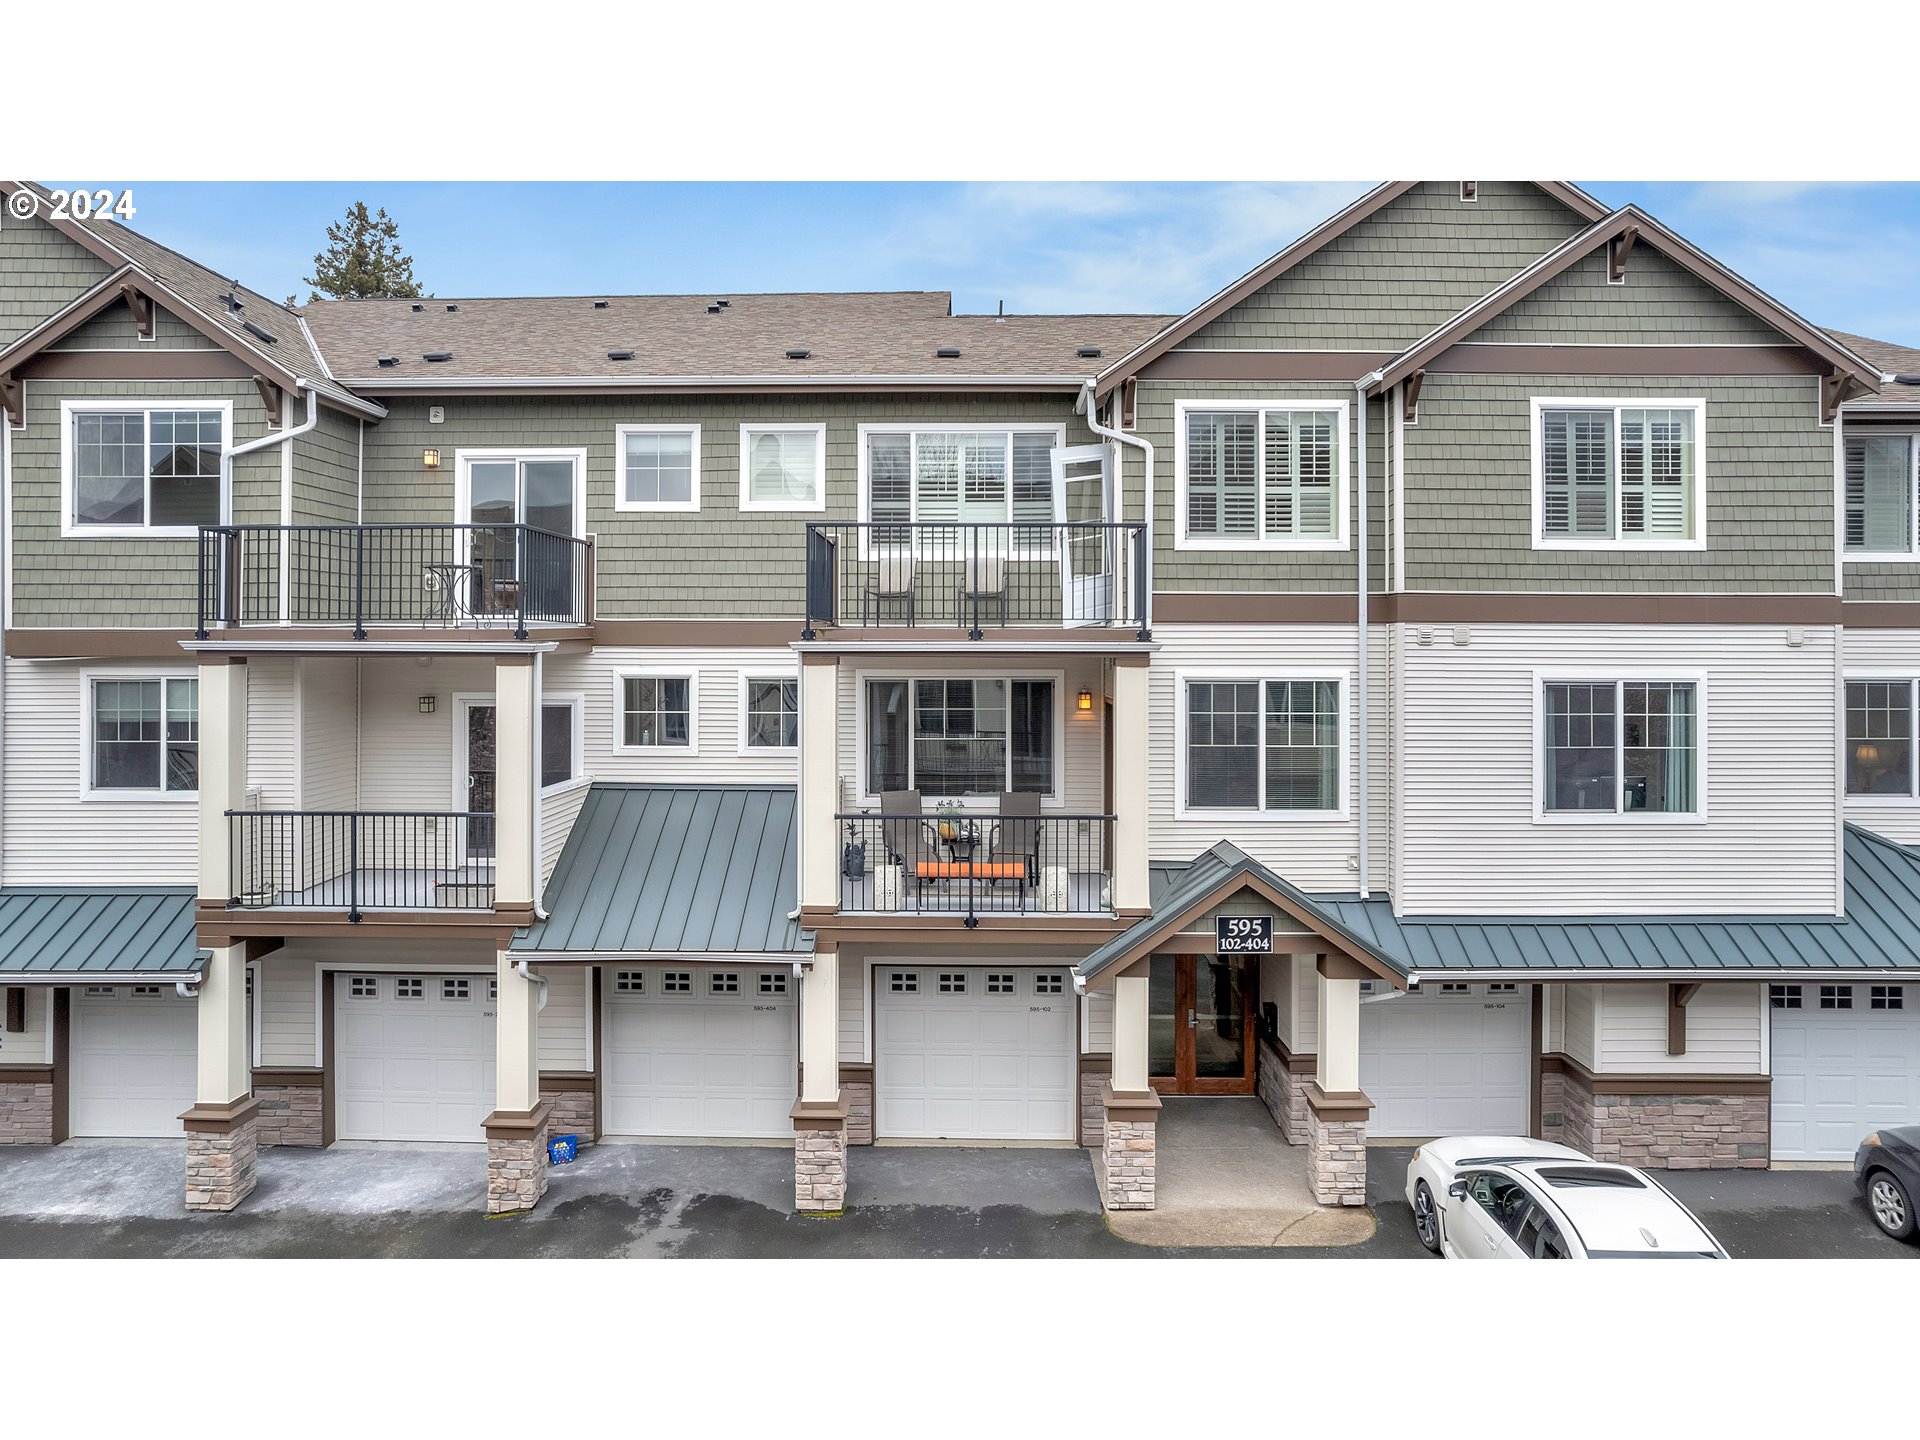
1336	1109
513	769
1130	881
223	768
223	1125
820	1117
517	1129
819	782
1126	1163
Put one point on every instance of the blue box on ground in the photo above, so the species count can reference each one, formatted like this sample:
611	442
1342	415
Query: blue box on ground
562	1148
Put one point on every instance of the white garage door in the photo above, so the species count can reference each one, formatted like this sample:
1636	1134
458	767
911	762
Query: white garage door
1846	1060
413	1056
1448	1060
134	1058
707	1050
973	1054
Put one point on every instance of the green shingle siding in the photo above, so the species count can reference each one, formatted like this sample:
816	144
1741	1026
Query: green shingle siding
114	329
1469	490
1881	581
1657	304
41	271
326	469
1399	273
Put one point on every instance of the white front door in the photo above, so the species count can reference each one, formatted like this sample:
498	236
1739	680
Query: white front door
1846	1061
707	1050
413	1055
965	1053
1449	1060
135	1049
1092	557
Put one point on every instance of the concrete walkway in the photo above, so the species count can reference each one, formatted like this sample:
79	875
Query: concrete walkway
1223	1176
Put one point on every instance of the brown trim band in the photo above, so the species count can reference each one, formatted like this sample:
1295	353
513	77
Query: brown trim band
26	1074
1099	1063
565	1082
220	1119
1678	360
37	644
135	365
1644	1084
217	927
1338	1105
516	1124
712	634
1137	1106
300	1077
819	1114
858	1073
1881	614
1292	1063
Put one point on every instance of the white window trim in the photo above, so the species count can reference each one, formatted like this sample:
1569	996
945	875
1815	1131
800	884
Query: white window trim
1053	798
1909	556
69	530
463	480
818	430
1342	497
138	797
746	678
576	704
935	427
1697	520
1343	681
1618	676
1911	679
665	752
620	500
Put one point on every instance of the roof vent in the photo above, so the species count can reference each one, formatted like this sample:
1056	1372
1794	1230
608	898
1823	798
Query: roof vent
1469	189
387	362
232	302
258	332
799	353
453	307
714	309
947	352
437	357
619	354
723	304
601	304
1088	352
418	308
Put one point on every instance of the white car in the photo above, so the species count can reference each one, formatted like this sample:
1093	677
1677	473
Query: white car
1498	1197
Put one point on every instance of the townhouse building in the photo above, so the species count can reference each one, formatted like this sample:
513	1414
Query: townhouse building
1458	678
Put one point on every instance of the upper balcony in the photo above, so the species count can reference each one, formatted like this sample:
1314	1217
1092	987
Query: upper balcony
459	580
965	579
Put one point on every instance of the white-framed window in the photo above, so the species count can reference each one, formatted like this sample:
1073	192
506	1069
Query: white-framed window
960	737
1001	982
562	722
1879	478
146	992
1626	474
1836	997
676	982
1886	997
1784	997
656	467
783	467
100	992
773	982
769	713
1880	738
1049	982
143	467
1610	747
904	982
458	988
1271	746
1260	474
723	982
364	987
630	982
938	474
953	982
1455	987
657	712
410	987
142	736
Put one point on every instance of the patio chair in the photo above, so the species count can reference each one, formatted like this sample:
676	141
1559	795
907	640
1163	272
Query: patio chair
1015	837
903	833
983	582
892	581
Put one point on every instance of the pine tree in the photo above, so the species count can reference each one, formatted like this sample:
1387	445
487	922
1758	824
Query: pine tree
363	261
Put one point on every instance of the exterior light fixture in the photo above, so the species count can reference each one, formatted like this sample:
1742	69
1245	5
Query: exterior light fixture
426	704
430	458
1086	700
1867	753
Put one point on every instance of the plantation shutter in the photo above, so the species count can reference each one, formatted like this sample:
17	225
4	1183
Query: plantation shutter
1222	474
936	478
1576	472
1298	453
890	485
1878	494
1656	473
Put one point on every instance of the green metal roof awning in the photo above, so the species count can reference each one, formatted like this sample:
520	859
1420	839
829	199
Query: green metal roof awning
675	870
82	932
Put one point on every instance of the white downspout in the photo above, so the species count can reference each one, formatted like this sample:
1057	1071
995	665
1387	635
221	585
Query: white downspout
284	439
1361	543
520	966
281	437
1145	447
539	718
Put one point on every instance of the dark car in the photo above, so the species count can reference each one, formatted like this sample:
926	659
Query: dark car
1887	1169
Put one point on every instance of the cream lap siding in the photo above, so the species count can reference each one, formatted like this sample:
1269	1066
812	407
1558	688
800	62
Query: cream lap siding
41	273
29	1046
852	1022
716	718
114	329
1312	853
558	811
1306	1006
407	759
1553	1033
285	996
295	973
1768	842
329	733
1578	1028
1768	467
1399	273
1725	1023
52	837
273	719
1659	303
1098	1039
563	1024
1894	654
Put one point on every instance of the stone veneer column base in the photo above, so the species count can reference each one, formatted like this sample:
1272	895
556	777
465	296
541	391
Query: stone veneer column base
517	1158
820	1156
1687	1128
1125	1164
223	1150
1337	1146
572	1114
1093	1110
1282	1087
289	1115
856	1092
26	1112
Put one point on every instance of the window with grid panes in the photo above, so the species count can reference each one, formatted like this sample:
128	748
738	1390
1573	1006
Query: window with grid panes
1620	747
1784	997
1880	737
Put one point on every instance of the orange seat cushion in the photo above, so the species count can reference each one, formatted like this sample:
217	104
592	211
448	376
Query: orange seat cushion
976	869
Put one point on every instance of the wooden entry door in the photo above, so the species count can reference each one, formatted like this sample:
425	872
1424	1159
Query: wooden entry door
1200	1024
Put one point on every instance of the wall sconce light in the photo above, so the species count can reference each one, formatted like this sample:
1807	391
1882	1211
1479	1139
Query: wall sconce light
1086	700
426	704
430	458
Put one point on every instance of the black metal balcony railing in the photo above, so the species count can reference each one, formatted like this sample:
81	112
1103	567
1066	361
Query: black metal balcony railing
360	860
972	864
457	576
970	576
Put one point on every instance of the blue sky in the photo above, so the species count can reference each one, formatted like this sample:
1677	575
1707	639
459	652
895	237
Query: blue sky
1844	255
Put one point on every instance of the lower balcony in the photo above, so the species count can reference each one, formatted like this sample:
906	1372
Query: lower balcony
906	859
355	861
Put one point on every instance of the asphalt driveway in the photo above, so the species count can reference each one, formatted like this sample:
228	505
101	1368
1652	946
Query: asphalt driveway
621	1200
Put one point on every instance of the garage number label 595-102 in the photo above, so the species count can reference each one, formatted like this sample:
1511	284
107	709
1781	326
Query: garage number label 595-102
1243	934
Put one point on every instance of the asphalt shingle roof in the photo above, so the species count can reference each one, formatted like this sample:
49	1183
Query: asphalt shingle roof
84	931
1893	360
